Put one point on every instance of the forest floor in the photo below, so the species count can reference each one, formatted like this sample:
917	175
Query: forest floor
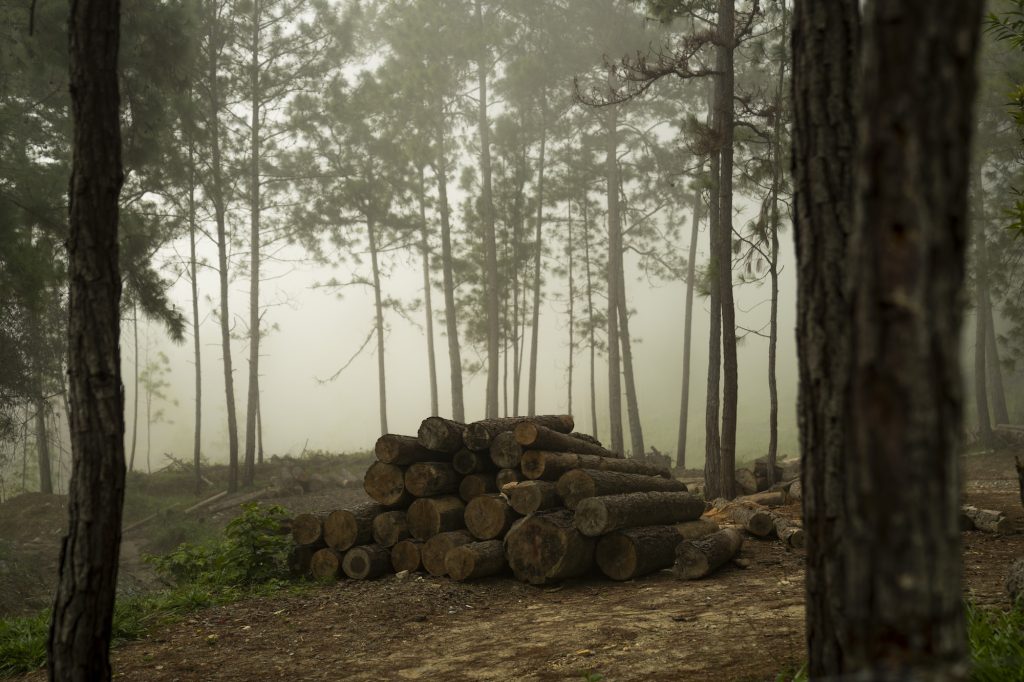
740	624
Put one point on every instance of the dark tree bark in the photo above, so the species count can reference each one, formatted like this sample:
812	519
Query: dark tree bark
79	639
427	290
636	434
691	272
614	379
572	304
378	303
999	412
135	388
712	435
590	320
531	397
193	276
995	368
42	442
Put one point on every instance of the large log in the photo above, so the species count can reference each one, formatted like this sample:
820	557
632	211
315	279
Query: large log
404	450
406	555
579	484
988	520
478	435
599	515
505	451
528	497
506	476
548	466
308	529
425	479
789	532
326	563
475	560
428	516
698	528
754	518
345	528
435	549
489	516
475	485
440	434
389	528
545	547
537	437
700	558
468	462
385	483
366	561
634	552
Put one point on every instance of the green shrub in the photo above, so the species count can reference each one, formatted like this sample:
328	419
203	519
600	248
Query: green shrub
996	639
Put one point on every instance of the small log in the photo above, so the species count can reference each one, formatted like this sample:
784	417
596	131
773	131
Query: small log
476	485
404	450
366	562
988	520
440	434
308	529
789	533
506	476
548	466
489	516
389	528
700	558
769	498
469	462
435	549
579	484
532	496
746	482
754	518
478	435
425	479
300	559
506	451
428	516
599	515
545	547
634	552
326	564
345	528
385	483
406	555
475	560
796	490
536	437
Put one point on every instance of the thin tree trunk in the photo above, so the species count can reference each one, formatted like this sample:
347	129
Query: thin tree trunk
773	270
24	451
590	321
248	472
135	392
531	400
80	627
712	446
42	442
691	272
995	367
259	429
427	291
995	372
448	277
572	303
379	307
196	441
636	434
517	229
980	381
149	423
612	180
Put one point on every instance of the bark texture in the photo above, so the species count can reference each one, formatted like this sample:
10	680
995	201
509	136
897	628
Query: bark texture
538	464
635	552
599	515
538	437
478	435
700	558
475	560
440	434
389	528
579	484
405	450
424	479
429	516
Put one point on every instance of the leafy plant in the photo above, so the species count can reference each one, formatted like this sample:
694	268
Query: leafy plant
996	639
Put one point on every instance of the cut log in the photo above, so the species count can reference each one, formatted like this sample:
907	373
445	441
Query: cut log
746	482
548	466
506	476
698	528
389	528
599	515
789	533
795	490
428	516
700	558
435	549
528	497
586	437
475	560
489	516
754	518
345	528
476	485
308	529
366	562
579	484
425	479
469	462
545	547
300	559
406	555
506	451
634	552
988	520
326	564
478	435
385	483
769	498
440	434
404	450
536	437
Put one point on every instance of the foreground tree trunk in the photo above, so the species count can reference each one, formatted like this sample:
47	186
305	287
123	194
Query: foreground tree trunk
79	640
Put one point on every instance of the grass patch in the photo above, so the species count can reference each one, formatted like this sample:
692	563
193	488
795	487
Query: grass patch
996	638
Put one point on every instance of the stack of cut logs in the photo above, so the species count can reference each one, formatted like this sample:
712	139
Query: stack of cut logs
525	494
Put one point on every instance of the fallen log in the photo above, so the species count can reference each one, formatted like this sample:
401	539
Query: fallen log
768	498
489	516
548	466
326	564
345	528
475	560
478	435
537	437
406	555
988	520
385	483
754	518
505	451
579	484
389	528
428	516
506	476
700	558
789	533
440	434
435	549
599	515
469	462
475	485
308	529
634	552
528	497
404	450
425	479
366	562
545	547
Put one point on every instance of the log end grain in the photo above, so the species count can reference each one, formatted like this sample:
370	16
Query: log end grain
307	529
366	562
489	516
326	564
389	528
434	551
406	555
429	516
475	560
385	483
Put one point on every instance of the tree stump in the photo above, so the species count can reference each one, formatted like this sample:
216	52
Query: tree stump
440	434
406	555
345	528
326	564
489	516
548	466
478	435
404	450
475	560
579	484
537	437
425	479
389	528
545	547
700	558
433	552
366	562
475	485
599	515
528	497
428	516
385	483
634	552
308	529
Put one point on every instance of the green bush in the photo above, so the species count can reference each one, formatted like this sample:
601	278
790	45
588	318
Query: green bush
996	639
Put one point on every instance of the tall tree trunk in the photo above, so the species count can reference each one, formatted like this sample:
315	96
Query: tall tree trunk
427	291
636	434
42	441
995	367
193	275
379	307
259	430
572	304
980	367
149	422
135	390
531	400
730	376
612	180
691	272
591	331
487	215
712	411
826	46
80	628
907	269
995	372
248	472
448	276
